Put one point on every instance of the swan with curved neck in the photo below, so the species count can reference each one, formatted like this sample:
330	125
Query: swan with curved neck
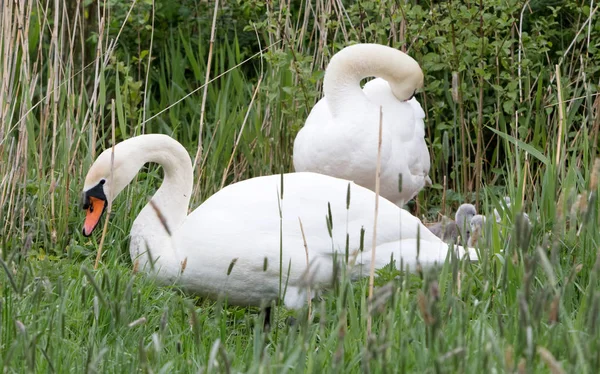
340	137
230	245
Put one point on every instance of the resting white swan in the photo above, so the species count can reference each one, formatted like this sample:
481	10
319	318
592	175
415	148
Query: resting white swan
230	245
341	133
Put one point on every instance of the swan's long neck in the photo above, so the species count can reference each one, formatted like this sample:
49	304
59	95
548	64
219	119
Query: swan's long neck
148	232
348	67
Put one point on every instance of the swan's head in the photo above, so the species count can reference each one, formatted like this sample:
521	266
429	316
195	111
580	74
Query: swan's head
409	80
464	215
102	185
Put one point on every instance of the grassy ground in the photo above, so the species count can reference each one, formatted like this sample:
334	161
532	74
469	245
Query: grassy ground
532	303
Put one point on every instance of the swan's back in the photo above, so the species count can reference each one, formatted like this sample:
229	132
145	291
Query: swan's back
235	237
341	134
406	120
401	115
253	206
346	146
243	219
342	147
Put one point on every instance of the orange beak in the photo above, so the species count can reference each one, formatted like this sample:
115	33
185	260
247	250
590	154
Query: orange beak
93	213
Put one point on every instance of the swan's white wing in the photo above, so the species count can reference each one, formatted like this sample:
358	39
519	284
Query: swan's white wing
346	146
398	115
411	155
343	147
252	207
241	225
417	108
419	161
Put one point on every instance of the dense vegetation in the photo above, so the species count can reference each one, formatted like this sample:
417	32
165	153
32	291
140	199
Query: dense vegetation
511	97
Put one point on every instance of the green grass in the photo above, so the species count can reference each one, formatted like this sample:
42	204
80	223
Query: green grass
531	305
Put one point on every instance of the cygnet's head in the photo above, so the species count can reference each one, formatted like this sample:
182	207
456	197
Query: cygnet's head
507	202
464	214
477	229
477	222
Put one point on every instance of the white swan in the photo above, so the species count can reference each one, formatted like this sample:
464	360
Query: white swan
341	133
230	245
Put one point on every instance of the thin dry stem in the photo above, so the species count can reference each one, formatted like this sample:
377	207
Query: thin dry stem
445	188
520	50
204	94
109	198
524	178
259	53
588	20
560	116
374	243
308	295
550	361
237	141
161	216
589	29
55	76
463	130
148	71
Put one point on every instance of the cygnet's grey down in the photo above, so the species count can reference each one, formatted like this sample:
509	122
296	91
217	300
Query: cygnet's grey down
446	229
477	230
449	230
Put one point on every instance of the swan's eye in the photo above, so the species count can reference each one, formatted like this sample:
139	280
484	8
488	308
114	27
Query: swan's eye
102	181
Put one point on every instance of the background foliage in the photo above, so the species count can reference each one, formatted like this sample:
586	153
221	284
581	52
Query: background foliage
511	98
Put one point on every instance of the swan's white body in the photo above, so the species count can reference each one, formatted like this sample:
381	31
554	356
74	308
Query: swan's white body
341	133
222	247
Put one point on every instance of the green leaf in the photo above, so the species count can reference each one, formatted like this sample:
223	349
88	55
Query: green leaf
521	144
119	106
